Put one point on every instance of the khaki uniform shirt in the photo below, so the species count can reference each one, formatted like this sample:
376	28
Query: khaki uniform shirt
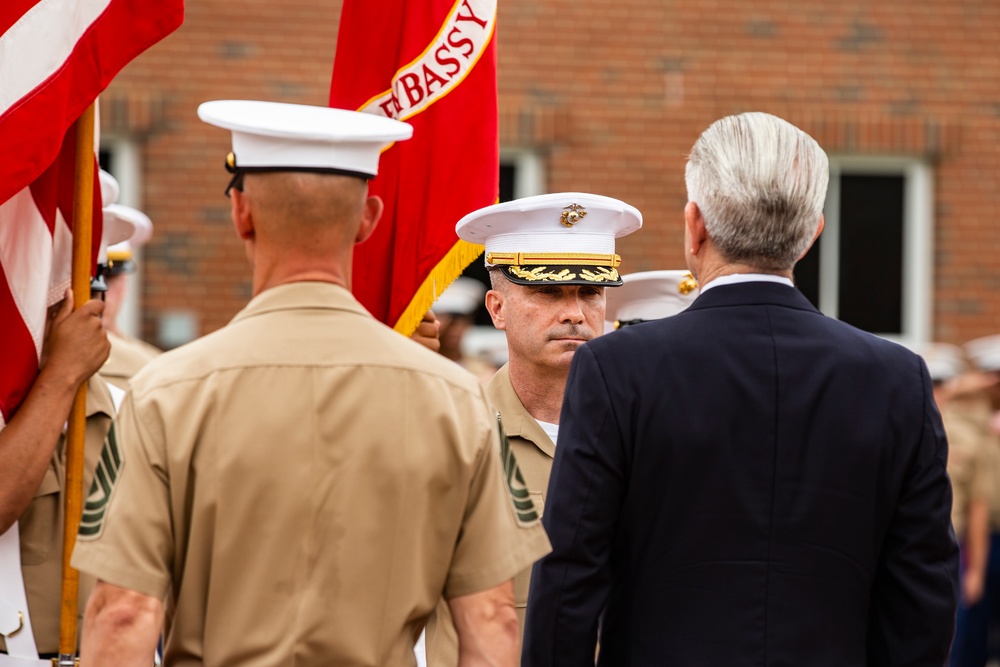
128	355
972	458
975	413
41	525
305	484
534	451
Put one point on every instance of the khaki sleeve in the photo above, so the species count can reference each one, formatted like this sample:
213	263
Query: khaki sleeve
125	536
500	534
984	468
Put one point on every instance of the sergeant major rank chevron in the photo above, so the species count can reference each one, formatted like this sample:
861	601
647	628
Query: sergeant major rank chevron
517	490
108	470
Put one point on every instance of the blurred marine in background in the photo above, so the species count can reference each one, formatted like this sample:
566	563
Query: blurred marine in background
128	354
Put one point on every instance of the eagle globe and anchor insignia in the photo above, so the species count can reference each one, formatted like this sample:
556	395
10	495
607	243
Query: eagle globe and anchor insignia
572	214
687	284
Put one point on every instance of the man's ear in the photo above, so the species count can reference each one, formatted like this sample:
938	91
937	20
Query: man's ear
694	225
494	304
370	216
819	230
242	219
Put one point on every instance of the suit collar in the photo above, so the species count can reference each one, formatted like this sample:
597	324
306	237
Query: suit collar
752	293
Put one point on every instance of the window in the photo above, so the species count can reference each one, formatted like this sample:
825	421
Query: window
120	157
520	175
872	266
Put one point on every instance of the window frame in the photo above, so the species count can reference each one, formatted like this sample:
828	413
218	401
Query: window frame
126	159
529	171
918	228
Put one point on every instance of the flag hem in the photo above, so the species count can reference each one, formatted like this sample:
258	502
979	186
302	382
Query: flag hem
443	274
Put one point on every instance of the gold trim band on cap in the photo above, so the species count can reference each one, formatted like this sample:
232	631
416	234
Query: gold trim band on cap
119	255
536	258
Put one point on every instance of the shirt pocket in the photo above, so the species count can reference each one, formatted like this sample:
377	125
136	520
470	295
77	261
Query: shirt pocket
539	503
39	526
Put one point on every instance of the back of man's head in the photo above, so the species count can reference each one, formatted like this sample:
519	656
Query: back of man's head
303	211
760	184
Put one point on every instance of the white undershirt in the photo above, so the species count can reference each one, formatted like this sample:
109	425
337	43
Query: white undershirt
735	278
551	430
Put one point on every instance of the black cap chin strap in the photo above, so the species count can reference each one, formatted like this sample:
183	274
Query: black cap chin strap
238	172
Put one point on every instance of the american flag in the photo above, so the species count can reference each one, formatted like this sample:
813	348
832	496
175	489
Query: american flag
56	56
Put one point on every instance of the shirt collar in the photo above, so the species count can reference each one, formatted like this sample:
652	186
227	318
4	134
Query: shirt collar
735	278
297	295
99	398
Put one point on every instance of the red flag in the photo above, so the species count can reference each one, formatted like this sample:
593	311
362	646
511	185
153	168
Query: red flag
55	58
431	63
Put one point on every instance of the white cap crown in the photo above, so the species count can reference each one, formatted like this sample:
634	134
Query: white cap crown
985	352
462	297
651	295
296	137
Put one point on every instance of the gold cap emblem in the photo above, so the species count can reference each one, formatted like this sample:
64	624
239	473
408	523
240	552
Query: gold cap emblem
573	214
687	284
231	162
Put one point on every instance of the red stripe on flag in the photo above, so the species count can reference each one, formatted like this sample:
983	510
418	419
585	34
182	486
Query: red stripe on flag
12	10
19	368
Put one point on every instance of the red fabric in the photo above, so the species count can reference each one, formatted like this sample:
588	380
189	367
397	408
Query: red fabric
32	128
449	167
51	193
37	172
20	364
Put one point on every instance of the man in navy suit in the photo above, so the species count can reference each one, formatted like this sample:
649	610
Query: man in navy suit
748	482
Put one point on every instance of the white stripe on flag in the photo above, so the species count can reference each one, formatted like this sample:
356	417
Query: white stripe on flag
35	47
61	273
26	256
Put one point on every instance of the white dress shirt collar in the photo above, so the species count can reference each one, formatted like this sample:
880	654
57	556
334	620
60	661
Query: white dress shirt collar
734	278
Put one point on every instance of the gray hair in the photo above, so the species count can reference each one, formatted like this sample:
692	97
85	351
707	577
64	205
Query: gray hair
497	280
760	183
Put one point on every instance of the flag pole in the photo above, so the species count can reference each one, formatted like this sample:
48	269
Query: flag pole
83	201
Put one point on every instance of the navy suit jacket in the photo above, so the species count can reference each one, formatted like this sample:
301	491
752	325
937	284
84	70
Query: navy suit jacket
746	483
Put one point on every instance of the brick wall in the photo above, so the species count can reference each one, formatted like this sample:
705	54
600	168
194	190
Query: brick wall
612	95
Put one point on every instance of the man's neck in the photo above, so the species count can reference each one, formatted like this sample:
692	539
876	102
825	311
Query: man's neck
540	390
300	277
289	269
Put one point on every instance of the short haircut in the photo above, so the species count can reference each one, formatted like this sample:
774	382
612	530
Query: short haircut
760	184
497	279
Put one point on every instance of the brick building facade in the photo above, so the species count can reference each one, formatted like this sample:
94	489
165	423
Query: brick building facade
608	98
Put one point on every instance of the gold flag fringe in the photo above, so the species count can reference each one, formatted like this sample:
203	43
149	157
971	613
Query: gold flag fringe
450	267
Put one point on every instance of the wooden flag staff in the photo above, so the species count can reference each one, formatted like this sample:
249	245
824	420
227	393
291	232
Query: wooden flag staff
83	201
